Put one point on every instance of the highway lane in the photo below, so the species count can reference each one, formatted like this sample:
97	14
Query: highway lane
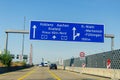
43	73
67	75
34	73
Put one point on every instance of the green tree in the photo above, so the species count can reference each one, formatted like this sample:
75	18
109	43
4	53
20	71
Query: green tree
6	58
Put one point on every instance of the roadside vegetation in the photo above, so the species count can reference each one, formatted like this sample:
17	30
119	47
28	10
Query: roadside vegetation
6	60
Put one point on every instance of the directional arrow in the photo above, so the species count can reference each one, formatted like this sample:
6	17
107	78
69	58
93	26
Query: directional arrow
78	34
75	35
74	29
34	29
54	37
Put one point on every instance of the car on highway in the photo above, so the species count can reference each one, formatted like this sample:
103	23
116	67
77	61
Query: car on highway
53	66
45	64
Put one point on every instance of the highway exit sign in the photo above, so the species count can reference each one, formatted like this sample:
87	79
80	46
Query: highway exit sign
60	31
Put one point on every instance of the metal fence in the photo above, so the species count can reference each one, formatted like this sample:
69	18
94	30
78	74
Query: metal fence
97	60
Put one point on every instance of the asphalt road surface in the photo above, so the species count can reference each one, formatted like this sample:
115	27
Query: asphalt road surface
43	73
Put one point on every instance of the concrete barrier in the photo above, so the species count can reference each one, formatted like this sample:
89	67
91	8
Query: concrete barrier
9	69
111	73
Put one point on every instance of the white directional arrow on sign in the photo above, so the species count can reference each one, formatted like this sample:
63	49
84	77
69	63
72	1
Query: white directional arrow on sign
74	29
34	29
54	37
78	34
75	35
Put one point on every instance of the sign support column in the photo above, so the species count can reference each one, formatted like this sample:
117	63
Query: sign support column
6	43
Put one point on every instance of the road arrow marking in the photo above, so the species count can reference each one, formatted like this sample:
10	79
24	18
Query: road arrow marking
34	30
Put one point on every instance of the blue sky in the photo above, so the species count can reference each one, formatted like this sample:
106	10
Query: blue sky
106	12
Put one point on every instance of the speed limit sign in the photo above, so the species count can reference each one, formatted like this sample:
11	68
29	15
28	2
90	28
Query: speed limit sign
82	54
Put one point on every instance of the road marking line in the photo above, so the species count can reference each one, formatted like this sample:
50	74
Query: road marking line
26	75
54	75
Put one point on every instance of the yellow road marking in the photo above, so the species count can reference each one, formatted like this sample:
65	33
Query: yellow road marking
26	75
54	75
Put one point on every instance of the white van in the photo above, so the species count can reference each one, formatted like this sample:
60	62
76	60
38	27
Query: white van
46	64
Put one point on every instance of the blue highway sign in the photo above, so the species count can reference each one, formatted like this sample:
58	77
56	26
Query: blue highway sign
59	31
